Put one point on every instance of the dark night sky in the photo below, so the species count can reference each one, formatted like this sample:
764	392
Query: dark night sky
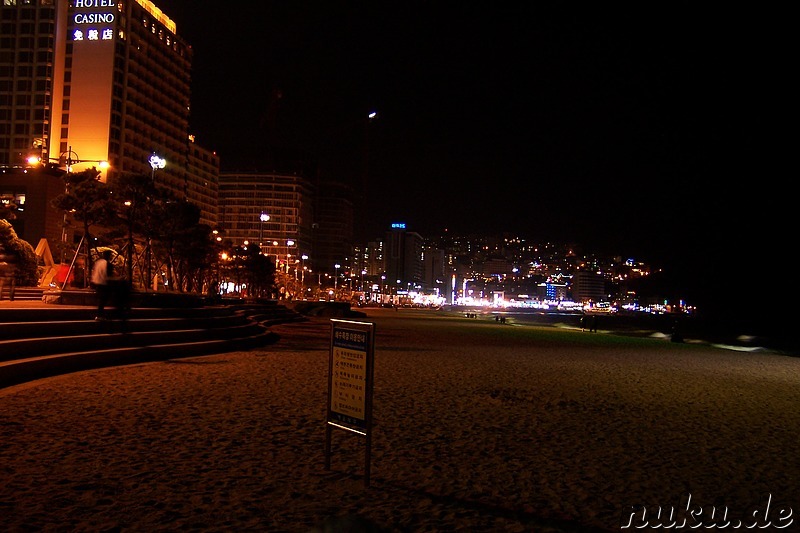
648	133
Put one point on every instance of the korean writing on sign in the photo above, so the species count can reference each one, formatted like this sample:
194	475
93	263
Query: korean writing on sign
93	35
93	18
349	376
350	384
356	339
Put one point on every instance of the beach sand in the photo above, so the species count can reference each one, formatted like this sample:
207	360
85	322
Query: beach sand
478	426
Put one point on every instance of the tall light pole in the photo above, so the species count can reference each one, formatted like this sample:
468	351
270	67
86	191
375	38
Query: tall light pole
289	244
156	163
303	274
263	218
336	279
371	117
69	160
277	253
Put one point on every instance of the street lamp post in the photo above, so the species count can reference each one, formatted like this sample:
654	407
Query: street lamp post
156	162
336	279
69	160
263	218
289	244
276	250
303	274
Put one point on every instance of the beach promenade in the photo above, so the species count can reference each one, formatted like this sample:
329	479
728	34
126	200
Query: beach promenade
478	426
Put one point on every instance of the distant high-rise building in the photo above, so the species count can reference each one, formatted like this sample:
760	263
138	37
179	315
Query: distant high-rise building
403	256
203	182
435	277
588	287
333	227
553	292
372	259
285	200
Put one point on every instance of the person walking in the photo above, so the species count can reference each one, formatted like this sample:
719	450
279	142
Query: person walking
100	282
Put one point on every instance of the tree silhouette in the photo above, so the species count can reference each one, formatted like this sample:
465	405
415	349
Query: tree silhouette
134	199
88	200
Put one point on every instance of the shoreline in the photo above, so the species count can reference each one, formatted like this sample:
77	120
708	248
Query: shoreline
742	335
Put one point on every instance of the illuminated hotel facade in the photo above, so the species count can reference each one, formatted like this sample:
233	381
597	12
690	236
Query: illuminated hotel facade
85	81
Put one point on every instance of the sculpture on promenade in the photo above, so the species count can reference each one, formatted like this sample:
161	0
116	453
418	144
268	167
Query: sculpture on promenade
17	261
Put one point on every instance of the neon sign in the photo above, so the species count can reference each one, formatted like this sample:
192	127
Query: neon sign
83	19
95	3
93	35
398	225
94	18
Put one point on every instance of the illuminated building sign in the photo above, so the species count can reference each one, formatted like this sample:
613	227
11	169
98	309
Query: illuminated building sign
100	25
93	35
94	18
399	225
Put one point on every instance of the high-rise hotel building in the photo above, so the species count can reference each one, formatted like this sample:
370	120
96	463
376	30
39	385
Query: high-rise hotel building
271	209
87	81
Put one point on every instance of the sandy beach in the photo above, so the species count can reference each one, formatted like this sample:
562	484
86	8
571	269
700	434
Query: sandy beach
478	426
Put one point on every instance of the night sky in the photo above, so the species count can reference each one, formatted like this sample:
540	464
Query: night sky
650	133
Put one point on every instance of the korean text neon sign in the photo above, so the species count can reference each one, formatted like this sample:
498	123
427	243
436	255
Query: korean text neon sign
82	19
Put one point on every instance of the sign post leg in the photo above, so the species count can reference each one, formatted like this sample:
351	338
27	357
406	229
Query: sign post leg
327	447
367	457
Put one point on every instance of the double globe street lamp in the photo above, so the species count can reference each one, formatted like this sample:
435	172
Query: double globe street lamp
263	218
156	162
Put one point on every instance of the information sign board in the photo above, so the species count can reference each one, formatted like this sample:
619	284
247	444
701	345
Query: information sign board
350	373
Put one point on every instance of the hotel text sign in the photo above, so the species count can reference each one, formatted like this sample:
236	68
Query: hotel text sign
91	24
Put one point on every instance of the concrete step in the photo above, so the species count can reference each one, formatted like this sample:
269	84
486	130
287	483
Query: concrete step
23	294
120	338
87	325
33	368
55	340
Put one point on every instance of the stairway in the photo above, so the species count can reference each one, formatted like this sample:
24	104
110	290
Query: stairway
49	341
23	293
